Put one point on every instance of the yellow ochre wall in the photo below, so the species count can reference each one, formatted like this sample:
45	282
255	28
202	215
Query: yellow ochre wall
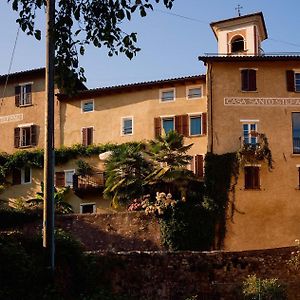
34	113
268	217
142	105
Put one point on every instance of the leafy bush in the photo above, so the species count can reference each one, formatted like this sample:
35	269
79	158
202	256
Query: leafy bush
12	218
263	289
23	274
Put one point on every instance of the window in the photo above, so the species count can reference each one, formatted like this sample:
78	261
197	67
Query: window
87	106
248	77
293	80
87	136
297	82
194	92
195	125
167	95
168	124
87	208
296	132
250	133
21	176
127	126
237	44
23	95
69	177
25	136
197	165
252	178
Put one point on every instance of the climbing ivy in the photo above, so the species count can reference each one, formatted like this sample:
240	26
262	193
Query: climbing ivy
221	175
35	159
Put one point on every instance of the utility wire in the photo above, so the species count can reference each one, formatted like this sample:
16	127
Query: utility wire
206	22
10	65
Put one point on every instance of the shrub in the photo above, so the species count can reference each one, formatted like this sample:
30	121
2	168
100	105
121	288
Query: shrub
263	289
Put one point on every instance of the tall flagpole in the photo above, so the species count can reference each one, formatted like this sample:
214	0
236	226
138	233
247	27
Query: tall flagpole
48	215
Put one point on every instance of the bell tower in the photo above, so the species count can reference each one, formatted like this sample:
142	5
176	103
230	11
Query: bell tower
241	35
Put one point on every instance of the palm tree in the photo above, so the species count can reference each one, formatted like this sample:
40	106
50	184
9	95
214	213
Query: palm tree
126	170
61	206
169	156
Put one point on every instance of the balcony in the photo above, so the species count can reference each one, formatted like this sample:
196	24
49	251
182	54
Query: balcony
255	152
88	184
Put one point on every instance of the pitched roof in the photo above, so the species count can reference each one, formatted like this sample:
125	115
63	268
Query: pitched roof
242	58
32	73
133	86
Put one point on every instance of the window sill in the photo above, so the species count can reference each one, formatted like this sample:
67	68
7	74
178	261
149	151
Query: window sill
295	155
196	135
256	91
23	147
257	190
26	105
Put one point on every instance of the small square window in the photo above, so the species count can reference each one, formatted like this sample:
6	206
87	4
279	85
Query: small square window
127	126
195	125
87	106
194	93
87	208
69	177
252	180
167	95
168	124
297	82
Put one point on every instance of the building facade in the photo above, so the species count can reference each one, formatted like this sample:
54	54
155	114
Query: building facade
249	94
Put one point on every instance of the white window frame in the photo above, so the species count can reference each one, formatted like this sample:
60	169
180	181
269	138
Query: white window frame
161	91
84	204
22	95
191	115
191	87
123	119
249	123
167	117
23	176
87	101
296	71
69	171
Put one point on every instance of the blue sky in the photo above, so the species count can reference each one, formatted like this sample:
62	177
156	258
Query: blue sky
170	44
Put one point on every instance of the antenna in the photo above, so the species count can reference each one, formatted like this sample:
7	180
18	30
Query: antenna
238	9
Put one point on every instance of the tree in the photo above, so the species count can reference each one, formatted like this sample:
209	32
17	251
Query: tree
170	158
82	22
126	170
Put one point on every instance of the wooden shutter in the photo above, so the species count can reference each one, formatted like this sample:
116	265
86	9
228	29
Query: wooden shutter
181	125
59	179
84	137
90	132
157	127
16	176
17	95
252	80
17	137
290	81
193	164
199	166
28	91
33	135
256	184
75	181
204	123
244	80
251	177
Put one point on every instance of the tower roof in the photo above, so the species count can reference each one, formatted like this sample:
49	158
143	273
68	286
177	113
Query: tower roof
250	18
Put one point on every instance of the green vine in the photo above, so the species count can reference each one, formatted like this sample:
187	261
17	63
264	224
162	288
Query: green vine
221	175
35	159
253	153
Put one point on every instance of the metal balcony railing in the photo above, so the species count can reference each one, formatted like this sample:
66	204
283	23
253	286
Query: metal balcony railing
88	183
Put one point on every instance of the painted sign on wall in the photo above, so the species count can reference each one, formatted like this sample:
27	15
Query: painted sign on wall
11	118
247	101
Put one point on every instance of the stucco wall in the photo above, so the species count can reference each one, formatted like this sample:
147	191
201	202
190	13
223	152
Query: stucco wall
34	113
142	105
267	217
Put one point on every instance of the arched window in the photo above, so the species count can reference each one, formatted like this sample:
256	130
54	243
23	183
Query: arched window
237	44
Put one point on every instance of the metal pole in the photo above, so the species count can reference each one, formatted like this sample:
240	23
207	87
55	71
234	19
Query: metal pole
48	216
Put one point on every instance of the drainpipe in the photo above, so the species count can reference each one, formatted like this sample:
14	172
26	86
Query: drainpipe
209	108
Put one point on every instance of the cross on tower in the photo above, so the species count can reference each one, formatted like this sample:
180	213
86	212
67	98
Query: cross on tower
238	9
